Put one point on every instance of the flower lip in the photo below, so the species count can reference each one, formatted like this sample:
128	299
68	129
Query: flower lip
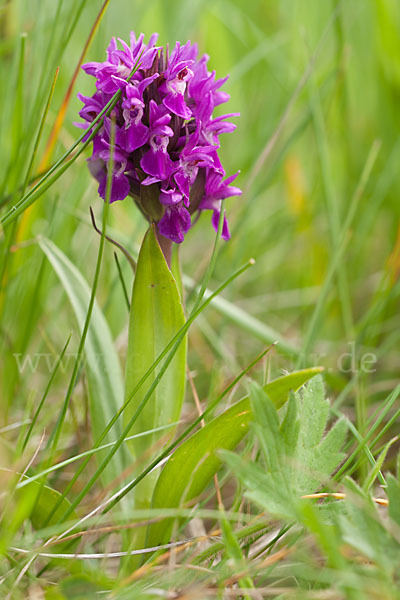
159	142
133	115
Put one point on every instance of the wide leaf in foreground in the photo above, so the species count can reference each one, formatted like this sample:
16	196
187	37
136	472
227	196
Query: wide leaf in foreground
156	316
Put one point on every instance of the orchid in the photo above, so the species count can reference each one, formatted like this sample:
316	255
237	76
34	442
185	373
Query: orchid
166	138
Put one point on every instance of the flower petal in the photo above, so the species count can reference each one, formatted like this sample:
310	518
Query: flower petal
175	223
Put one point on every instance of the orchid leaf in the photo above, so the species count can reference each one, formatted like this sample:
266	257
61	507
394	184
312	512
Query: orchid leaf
35	502
156	315
192	466
48	498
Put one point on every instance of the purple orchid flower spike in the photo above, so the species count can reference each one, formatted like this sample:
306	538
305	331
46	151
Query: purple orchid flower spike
166	137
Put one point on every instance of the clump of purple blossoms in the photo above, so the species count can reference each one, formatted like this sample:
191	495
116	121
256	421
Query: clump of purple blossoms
166	139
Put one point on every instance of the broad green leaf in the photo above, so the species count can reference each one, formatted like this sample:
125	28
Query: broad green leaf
103	369
298	456
80	588
156	315
48	498
35	501
88	585
193	464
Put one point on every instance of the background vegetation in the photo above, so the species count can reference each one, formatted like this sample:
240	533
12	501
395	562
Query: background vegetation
318	86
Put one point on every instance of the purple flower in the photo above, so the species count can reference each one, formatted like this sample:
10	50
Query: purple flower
120	63
98	165
214	127
136	133
176	76
192	157
217	189
166	138
120	186
157	162
175	223
170	197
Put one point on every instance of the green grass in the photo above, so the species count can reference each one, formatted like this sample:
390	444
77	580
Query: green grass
318	86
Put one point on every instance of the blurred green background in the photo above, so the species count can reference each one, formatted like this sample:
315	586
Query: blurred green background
319	78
